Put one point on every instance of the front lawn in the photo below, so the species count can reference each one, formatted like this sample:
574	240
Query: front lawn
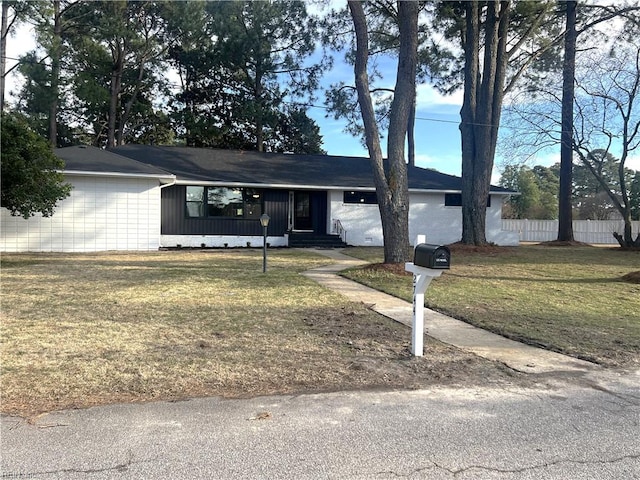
88	329
568	299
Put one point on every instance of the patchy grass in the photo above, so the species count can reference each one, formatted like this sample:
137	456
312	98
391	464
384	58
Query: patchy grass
578	300
88	329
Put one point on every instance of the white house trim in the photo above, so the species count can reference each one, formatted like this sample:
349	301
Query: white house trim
168	179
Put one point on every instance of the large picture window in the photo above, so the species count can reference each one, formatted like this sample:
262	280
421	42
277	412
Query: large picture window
223	202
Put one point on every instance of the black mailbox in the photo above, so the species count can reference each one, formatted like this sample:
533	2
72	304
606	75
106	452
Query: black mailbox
432	256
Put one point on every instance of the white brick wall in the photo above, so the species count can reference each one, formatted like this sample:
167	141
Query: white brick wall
362	222
220	241
427	215
102	213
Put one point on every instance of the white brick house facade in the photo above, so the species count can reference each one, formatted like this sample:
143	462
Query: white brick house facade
102	213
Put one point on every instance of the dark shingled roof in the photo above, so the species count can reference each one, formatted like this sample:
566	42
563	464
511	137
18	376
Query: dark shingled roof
84	158
249	167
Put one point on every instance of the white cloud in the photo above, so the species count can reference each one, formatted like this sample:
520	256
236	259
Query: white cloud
428	97
426	161
633	163
21	42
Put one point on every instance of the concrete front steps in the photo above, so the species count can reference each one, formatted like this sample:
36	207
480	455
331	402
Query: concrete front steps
312	240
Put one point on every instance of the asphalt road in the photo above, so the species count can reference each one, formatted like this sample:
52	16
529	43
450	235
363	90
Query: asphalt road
586	429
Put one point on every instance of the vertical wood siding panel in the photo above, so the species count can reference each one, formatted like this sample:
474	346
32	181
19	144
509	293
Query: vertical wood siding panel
175	222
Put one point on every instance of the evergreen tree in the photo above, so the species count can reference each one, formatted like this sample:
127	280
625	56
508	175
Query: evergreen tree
491	61
263	47
32	181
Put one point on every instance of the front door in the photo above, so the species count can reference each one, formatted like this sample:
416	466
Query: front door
302	219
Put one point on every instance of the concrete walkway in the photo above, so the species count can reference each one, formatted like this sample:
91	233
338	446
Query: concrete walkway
516	355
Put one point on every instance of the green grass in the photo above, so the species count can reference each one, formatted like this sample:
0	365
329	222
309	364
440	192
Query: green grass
568	299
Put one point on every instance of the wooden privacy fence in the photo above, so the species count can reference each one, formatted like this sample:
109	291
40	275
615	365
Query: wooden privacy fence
587	231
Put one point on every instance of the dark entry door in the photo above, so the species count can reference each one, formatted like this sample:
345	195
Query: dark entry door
302	211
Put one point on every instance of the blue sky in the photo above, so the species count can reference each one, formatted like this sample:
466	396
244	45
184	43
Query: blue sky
436	129
437	136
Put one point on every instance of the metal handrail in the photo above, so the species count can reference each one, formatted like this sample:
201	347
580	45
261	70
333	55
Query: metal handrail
339	229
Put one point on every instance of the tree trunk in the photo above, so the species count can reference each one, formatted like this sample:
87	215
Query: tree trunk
411	140
565	216
391	189
56	54
480	113
124	119
626	240
467	116
402	109
116	87
259	116
3	51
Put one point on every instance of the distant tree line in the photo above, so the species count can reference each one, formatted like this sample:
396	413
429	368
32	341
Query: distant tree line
538	191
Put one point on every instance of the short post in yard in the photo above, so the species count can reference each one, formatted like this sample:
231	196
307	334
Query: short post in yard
424	268
264	221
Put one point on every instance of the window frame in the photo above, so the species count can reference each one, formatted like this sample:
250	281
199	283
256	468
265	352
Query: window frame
247	204
198	204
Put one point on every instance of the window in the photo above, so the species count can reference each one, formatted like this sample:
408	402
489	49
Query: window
455	200
195	201
369	198
452	199
223	202
252	203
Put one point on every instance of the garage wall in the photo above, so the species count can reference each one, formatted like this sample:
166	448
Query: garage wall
102	213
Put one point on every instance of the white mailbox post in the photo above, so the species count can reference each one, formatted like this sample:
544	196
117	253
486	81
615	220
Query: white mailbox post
422	277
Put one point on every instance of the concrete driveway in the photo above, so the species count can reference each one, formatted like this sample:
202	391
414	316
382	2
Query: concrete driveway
585	427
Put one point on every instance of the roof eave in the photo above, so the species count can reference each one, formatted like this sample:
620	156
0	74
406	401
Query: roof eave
163	178
292	186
